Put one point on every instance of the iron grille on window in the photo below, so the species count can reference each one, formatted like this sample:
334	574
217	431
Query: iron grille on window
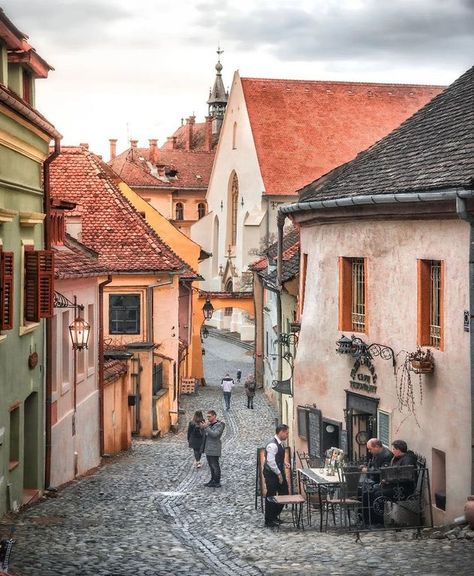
358	295
435	303
157	378
124	314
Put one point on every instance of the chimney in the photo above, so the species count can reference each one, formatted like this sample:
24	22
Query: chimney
133	143
113	147
84	145
171	142
208	135
153	142
188	140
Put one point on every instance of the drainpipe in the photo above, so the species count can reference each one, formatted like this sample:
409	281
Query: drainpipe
101	362
462	212
48	347
280	223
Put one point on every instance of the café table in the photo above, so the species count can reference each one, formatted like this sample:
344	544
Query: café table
322	480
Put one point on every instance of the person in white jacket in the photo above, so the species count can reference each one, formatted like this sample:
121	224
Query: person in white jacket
227	384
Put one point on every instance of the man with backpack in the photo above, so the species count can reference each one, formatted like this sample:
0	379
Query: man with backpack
250	386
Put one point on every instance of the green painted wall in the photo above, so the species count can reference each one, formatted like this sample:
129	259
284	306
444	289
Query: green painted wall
20	190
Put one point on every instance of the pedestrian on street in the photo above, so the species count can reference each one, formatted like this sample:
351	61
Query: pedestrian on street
196	437
250	386
227	384
239	376
213	430
274	474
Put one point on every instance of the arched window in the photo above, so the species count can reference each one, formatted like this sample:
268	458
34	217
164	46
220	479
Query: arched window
234	208
234	136
201	210
179	211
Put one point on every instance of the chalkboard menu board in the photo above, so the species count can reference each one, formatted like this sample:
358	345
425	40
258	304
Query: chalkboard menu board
302	422
343	441
314	433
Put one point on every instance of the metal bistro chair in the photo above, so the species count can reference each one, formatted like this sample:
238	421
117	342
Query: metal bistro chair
347	498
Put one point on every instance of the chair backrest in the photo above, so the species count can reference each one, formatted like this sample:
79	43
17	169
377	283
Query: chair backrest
394	474
304	459
350	482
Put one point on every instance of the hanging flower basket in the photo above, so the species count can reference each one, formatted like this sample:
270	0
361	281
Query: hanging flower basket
421	362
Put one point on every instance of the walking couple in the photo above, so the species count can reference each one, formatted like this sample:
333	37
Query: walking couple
205	437
227	383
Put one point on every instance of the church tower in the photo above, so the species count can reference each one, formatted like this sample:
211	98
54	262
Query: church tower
217	97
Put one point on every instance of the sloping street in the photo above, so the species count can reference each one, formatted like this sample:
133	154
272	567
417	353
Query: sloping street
148	513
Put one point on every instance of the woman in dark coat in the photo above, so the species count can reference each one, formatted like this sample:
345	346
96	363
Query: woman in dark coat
196	437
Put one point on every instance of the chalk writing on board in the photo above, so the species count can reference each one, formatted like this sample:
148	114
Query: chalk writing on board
314	433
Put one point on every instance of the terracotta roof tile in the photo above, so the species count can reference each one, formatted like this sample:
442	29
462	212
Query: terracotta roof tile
74	260
433	149
302	129
113	369
110	224
290	257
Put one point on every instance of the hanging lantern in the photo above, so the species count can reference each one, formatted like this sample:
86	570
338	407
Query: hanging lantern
79	331
207	309
344	345
205	332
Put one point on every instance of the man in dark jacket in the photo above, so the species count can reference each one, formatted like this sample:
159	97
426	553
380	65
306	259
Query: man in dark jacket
274	474
213	429
380	457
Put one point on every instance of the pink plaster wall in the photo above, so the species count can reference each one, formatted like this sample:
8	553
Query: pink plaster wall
322	375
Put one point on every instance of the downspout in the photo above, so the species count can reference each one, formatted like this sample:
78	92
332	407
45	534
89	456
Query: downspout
48	347
463	214
101	362
280	224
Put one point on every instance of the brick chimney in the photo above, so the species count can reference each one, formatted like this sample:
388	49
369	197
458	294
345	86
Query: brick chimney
171	142
153	142
208	134
188	139
133	143
113	147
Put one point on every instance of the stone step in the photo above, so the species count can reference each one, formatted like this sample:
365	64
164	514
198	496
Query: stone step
228	336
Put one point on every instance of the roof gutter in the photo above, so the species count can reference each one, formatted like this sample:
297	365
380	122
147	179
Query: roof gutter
375	199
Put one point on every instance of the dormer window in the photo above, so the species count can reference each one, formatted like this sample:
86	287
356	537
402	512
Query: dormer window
171	172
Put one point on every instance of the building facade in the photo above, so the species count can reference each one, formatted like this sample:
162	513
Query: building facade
26	269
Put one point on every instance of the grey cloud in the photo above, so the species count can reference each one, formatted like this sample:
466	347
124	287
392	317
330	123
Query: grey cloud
416	31
66	23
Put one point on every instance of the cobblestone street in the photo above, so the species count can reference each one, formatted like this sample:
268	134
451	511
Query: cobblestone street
148	512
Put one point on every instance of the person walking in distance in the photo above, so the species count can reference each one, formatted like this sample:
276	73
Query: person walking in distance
274	474
227	384
239	376
196	437
250	386
213	430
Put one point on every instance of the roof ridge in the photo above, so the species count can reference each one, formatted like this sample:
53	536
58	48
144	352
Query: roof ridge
342	82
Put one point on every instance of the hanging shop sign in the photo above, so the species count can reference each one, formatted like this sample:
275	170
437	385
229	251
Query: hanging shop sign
361	380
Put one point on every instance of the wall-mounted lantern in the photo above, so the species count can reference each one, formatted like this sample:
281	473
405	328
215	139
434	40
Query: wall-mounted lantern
79	329
208	309
204	332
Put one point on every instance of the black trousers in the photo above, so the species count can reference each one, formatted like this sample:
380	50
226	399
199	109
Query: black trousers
197	454
215	468
272	510
249	401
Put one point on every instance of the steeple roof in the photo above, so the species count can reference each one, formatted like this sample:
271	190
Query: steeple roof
218	95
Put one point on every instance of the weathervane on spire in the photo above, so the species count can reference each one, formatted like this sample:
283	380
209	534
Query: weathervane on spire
217	97
219	51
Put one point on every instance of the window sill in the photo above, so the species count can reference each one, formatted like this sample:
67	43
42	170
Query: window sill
2	338
29	328
12	465
65	387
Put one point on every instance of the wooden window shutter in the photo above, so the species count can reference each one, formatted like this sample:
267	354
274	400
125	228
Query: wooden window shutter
6	290
31	286
46	283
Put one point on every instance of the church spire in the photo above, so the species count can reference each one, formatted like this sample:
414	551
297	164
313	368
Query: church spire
217	96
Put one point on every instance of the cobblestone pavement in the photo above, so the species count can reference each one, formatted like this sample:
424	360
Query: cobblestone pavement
148	513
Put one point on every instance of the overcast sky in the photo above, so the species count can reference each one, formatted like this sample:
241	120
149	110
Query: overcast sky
134	69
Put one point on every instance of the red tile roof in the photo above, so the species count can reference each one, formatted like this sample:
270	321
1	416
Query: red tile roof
199	138
74	260
302	129
113	369
110	224
193	168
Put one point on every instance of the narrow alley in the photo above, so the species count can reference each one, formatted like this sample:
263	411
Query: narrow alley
148	512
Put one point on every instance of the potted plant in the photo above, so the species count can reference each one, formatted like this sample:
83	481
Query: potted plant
421	362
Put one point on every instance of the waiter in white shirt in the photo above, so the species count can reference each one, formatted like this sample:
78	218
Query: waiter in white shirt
274	474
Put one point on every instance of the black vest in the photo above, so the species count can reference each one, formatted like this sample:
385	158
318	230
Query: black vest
279	458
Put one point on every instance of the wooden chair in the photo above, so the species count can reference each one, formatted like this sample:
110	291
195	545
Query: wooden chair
347	498
296	501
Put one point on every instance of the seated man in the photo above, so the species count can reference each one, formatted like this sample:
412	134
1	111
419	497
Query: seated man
399	489
380	457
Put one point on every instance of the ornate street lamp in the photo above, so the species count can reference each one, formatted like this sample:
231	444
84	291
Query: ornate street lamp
79	331
207	309
344	345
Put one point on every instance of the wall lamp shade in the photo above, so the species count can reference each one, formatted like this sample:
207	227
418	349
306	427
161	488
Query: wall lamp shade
207	309
205	332
345	345
79	331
